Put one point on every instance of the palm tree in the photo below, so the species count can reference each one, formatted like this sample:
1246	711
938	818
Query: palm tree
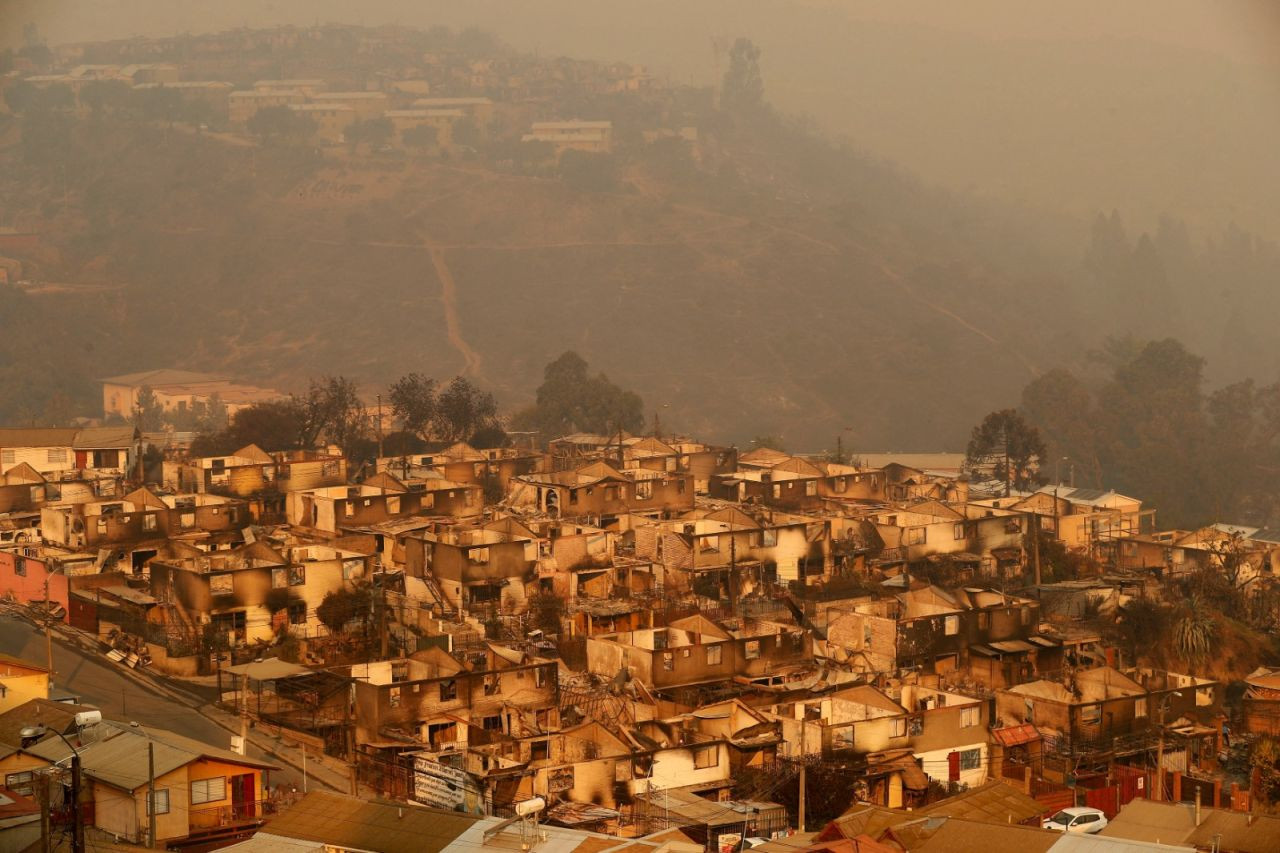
1195	632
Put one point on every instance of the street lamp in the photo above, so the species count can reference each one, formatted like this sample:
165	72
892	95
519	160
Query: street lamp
77	813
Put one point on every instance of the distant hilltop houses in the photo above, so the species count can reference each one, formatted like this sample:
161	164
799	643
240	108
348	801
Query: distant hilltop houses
424	100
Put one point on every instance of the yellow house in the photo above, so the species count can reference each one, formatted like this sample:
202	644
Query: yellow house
21	682
201	791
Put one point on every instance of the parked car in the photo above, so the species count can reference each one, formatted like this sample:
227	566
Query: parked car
1078	819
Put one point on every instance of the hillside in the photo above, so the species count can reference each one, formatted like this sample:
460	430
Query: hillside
744	310
759	280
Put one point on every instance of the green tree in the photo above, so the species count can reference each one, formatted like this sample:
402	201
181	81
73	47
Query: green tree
743	87
413	402
1152	412
148	415
332	408
1005	447
272	425
462	409
1063	409
570	399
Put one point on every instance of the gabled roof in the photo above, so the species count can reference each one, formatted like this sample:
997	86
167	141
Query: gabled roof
462	452
38	437
1042	689
255	453
146	498
22	474
1144	820
799	467
652	445
699	624
764	456
733	516
106	438
600	471
9	661
54	716
120	757
994	802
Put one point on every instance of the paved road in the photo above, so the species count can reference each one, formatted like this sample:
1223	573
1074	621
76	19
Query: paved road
101	684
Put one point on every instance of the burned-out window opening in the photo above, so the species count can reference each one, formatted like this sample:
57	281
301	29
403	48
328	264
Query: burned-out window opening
448	690
297	575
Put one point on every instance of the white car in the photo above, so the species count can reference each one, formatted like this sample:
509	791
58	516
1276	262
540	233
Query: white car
1078	819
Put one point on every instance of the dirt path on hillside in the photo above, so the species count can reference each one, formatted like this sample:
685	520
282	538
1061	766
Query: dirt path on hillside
452	324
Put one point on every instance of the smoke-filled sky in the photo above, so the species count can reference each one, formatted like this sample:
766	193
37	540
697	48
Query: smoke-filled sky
1146	106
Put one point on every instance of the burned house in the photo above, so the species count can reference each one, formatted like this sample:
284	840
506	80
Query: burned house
697	651
256	592
260	478
732	551
601	493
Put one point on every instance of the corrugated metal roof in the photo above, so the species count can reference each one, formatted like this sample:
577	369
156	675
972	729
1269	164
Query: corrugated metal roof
113	438
994	802
120	757
38	437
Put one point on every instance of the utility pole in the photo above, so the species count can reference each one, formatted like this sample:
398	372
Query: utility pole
1160	758
733	573
77	811
244	712
43	793
804	765
379	426
151	794
382	615
1033	524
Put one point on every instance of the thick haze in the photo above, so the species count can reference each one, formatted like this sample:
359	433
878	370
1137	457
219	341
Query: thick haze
1149	107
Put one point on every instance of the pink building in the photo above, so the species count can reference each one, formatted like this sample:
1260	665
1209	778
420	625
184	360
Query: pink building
23	579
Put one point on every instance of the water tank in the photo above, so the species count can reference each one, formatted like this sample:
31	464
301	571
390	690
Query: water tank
88	718
528	807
